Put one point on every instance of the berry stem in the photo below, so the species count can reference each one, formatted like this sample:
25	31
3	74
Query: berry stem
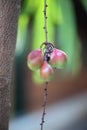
45	20
44	105
46	83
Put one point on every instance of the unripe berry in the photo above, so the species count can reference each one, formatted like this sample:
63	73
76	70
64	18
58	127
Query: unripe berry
58	58
35	59
46	71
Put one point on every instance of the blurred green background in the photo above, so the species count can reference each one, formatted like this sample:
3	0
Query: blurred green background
61	25
62	31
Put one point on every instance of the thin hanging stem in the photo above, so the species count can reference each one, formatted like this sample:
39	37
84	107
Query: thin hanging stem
46	83
44	105
45	20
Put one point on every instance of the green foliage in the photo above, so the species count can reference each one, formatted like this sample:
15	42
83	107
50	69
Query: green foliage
67	34
84	2
61	27
21	35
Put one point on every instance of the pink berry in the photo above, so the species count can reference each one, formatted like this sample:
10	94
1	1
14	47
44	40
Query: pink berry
46	71
35	59
58	58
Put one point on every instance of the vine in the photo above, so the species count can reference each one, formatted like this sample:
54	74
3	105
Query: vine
44	105
45	20
44	60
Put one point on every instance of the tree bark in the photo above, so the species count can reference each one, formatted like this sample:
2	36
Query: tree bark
9	10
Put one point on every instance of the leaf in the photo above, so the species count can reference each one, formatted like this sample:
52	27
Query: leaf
84	2
67	35
22	34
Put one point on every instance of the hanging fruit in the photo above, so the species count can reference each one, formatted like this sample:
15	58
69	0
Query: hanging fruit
35	59
58	59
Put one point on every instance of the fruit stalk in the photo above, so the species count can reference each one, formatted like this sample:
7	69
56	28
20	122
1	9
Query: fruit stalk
44	105
45	21
46	83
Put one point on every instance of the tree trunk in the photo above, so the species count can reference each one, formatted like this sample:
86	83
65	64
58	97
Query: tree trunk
9	10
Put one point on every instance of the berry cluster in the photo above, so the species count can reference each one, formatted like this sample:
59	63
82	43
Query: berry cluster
45	59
